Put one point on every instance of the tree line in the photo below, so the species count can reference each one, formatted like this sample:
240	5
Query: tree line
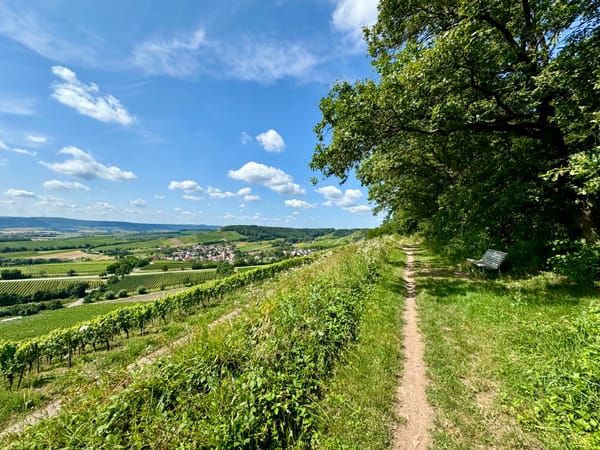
482	127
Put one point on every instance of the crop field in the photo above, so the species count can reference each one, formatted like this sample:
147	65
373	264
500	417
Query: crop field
57	269
256	246
46	321
135	245
159	281
28	287
49	244
171	265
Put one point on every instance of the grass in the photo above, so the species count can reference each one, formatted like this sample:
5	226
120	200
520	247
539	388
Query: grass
496	349
46	321
357	411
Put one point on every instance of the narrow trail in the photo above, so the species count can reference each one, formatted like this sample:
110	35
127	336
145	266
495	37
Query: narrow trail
54	407
412	405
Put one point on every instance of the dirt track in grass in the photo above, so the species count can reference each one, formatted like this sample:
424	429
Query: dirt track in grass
414	431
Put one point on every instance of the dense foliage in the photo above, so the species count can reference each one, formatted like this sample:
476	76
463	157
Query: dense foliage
474	102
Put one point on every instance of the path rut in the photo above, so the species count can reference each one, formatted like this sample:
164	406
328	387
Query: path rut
412	404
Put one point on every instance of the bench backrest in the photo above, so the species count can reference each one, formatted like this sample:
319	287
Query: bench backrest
493	258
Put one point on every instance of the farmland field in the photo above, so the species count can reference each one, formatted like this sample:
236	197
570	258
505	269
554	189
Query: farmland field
28	287
158	281
56	269
46	321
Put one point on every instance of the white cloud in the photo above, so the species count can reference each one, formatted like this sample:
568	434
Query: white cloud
177	57
265	61
249	58
101	206
335	196
86	100
186	185
65	185
360	209
36	139
218	194
34	33
139	203
244	191
251	198
159	197
350	16
20	151
20	193
245	138
299	204
17	106
271	141
193	198
83	165
275	179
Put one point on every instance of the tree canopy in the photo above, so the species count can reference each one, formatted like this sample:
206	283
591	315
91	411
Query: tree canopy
470	131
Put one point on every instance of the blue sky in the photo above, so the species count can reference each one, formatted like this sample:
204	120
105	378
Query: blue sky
175	111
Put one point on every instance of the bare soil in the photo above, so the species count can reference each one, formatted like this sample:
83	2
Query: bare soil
414	430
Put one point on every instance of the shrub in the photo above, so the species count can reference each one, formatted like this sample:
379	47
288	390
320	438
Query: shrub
141	290
577	260
122	293
109	295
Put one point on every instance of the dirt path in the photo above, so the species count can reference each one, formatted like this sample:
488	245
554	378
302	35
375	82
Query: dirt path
412	405
55	406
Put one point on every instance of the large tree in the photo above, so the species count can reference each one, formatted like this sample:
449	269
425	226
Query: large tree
475	100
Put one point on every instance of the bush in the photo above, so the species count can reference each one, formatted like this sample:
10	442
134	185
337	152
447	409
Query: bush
577	260
122	293
141	290
109	295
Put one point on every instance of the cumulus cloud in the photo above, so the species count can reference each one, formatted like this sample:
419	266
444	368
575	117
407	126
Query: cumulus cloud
251	198
186	185
299	204
271	141
139	203
350	16
271	177
58	185
335	196
83	165
20	193
249	58
177	57
86	100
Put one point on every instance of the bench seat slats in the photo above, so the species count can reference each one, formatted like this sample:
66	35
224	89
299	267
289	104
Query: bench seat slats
491	259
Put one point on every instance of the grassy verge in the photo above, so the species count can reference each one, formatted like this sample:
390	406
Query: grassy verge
358	410
513	363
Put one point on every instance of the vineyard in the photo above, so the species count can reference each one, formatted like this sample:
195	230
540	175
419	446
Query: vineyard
161	281
62	269
256	386
29	287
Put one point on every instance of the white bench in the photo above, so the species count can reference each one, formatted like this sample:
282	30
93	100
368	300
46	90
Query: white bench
491	260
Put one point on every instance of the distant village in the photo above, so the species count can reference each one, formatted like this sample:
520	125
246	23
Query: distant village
219	253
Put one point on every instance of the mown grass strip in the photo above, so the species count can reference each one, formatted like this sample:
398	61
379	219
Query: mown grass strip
358	409
502	354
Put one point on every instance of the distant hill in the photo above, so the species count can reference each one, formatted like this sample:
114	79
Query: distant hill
64	225
260	233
